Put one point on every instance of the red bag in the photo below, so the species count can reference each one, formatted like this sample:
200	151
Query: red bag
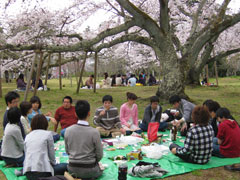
152	131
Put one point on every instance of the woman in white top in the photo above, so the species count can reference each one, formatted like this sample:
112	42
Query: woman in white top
39	151
107	81
13	143
26	108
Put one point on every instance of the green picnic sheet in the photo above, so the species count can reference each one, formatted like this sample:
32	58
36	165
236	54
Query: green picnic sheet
169	162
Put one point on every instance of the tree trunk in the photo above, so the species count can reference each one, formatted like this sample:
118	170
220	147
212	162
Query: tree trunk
173	74
60	70
48	63
39	69
193	77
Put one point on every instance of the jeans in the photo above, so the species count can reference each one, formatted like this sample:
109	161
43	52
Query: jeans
16	161
63	132
162	126
130	132
59	169
216	148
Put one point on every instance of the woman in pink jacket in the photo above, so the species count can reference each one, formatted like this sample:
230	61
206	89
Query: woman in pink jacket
129	115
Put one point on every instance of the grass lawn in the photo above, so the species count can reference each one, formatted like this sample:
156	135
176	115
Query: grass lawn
227	94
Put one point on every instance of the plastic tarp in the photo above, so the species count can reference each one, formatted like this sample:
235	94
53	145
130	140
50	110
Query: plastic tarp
169	162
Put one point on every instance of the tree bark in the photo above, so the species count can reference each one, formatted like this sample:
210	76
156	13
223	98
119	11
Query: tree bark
30	77
81	74
173	76
95	72
39	69
48	63
60	70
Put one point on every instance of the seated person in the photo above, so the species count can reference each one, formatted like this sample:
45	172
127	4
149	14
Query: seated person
65	115
141	80
39	151
132	80
118	80
152	113
198	143
26	108
40	84
83	145
107	120
212	106
185	108
129	115
227	142
36	106
124	80
107	81
20	82
152	80
89	82
113	77
12	100
13	142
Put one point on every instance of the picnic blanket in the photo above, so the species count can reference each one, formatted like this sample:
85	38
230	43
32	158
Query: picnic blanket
169	162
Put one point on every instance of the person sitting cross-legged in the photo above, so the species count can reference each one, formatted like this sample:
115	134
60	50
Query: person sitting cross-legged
13	142
153	113
83	145
227	142
198	144
129	115
39	151
106	119
65	115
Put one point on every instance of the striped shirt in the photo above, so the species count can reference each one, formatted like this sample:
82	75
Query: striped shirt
109	120
198	144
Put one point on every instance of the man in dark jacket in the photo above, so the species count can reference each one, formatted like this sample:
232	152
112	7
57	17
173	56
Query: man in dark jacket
153	113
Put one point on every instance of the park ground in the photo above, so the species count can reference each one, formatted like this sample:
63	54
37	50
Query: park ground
227	94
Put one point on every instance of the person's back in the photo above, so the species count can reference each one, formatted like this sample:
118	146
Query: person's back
83	145
132	81
37	145
82	150
118	81
229	131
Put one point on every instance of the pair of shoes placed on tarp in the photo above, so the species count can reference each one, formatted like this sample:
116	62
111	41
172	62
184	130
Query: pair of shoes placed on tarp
232	167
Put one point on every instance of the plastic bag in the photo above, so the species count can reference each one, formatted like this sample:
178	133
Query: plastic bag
152	131
155	151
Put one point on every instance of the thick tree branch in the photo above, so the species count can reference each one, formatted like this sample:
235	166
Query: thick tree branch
196	16
164	16
124	38
223	55
143	20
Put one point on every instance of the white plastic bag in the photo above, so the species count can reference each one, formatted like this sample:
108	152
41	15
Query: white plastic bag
155	151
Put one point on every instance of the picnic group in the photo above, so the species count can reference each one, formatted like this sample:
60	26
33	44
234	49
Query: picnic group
210	130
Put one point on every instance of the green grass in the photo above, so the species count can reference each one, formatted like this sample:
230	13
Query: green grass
227	94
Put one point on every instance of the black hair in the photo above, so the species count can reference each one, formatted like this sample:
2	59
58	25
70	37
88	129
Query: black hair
68	97
131	96
82	108
105	75
107	98
21	76
25	106
212	106
39	121
92	76
132	75
11	96
173	99
119	75
36	99
223	112
154	99
14	115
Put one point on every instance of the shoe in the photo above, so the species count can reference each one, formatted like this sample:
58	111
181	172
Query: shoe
18	172
231	168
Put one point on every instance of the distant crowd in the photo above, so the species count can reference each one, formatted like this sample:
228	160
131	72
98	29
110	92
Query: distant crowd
123	80
209	130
